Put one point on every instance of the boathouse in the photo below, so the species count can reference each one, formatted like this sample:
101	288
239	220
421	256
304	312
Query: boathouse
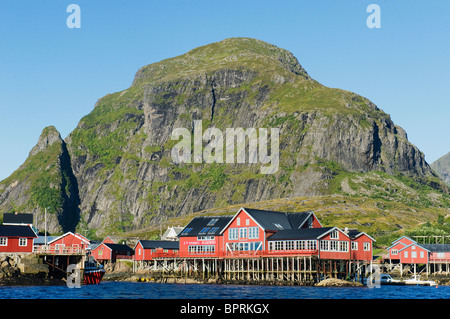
16	238
396	246
249	229
68	243
149	249
111	252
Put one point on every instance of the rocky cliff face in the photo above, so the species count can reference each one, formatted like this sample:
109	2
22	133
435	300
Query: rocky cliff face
120	153
45	180
442	167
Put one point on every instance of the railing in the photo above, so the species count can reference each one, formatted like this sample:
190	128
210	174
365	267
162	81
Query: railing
52	250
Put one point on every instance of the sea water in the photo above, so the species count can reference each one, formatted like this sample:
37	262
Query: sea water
131	290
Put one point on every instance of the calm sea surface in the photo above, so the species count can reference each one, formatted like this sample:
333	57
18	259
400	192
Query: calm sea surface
127	290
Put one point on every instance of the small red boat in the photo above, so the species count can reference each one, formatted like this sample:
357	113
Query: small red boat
93	272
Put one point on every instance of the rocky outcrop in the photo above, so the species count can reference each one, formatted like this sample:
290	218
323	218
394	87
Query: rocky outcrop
442	167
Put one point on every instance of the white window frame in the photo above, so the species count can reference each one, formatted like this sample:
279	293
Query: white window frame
366	246
3	241
233	233
23	242
253	232
334	234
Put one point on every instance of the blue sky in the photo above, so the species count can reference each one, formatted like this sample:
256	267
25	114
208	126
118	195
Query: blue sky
53	75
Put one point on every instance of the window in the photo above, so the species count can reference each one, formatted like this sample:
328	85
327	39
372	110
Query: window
440	255
205	237
278	226
212	222
311	244
421	254
414	254
394	252
324	245
247	222
334	234
366	246
22	241
233	233
334	245
253	233
279	245
204	230
213	230
354	245
3	241
290	245
238	221
186	231
243	232
405	254
343	246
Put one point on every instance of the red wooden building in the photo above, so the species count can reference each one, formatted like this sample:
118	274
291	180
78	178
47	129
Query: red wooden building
249	229
361	245
253	232
112	252
16	239
203	237
396	246
149	249
68	243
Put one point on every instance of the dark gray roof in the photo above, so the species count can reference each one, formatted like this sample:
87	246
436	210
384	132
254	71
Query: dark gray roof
352	233
436	247
205	226
119	247
165	244
298	234
272	220
16	231
13	218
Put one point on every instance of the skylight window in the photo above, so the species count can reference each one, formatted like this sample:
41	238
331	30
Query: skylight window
212	221
278	226
186	231
204	230
213	230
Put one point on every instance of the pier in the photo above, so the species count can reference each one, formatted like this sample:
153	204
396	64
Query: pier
281	270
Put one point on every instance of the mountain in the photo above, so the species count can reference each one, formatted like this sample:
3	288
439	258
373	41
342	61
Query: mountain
45	180
442	167
124	173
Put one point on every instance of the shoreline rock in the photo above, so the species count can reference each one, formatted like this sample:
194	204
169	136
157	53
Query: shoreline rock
332	282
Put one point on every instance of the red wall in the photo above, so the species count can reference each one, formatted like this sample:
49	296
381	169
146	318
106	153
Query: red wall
245	221
335	254
13	246
361	254
101	252
414	260
147	254
69	240
185	242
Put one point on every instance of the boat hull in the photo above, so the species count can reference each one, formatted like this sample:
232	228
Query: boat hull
93	277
